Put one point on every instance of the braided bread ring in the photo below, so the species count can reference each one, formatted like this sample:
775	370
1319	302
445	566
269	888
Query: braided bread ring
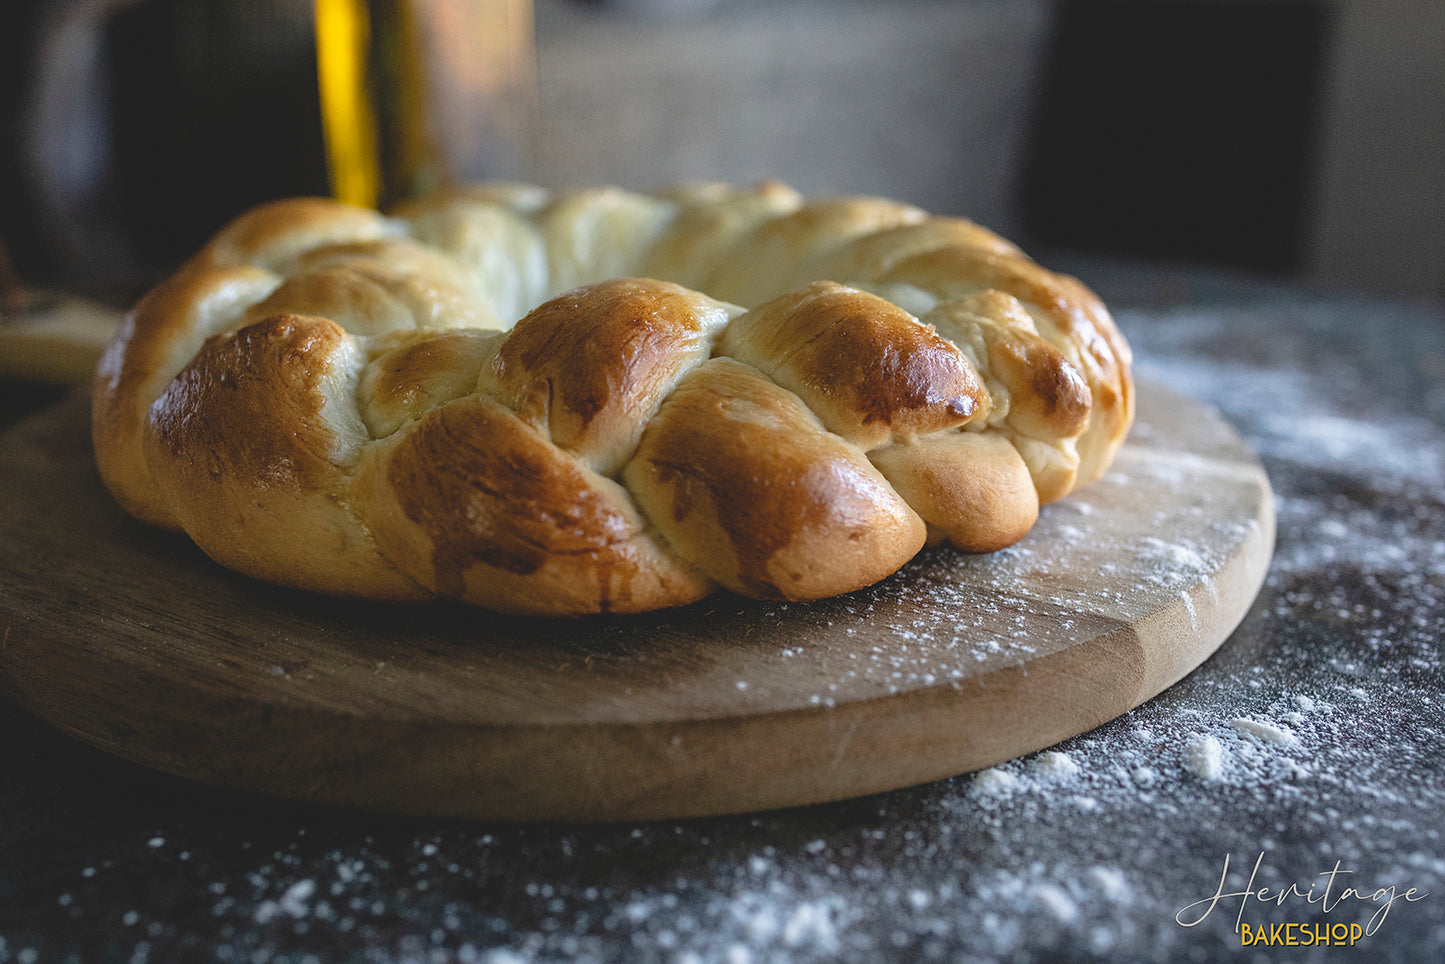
523	400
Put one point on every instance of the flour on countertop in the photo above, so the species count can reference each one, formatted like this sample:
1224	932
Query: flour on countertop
1264	731
1204	757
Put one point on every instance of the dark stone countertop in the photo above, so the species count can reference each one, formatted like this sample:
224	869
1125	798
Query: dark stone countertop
1310	743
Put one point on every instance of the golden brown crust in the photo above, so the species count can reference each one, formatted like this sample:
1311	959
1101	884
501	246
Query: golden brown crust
590	367
870	256
972	488
867	368
768	260
412	372
745	482
1074	321
249	444
484	396
273	235
480	505
153	342
372	287
711	221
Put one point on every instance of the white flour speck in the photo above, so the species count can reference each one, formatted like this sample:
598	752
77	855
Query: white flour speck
994	782
1264	731
811	924
1204	757
1053	765
1055	902
1111	882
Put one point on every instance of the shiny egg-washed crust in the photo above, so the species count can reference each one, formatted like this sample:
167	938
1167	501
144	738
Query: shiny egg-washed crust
526	401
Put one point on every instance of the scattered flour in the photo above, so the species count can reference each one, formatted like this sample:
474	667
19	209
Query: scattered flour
994	782
1204	757
1263	731
1055	902
1110	881
1053	765
294	903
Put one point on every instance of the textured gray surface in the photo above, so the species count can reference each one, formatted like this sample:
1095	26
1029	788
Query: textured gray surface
1312	738
931	101
926	101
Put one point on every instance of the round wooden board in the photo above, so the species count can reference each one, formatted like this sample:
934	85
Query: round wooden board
129	639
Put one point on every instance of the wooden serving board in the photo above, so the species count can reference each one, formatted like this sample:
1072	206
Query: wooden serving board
130	639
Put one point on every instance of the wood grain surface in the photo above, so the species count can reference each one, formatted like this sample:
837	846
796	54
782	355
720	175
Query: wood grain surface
130	639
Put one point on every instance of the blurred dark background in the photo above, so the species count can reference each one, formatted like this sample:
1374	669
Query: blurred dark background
1185	131
1301	139
134	129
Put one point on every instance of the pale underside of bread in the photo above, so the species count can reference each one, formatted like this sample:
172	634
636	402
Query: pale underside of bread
605	401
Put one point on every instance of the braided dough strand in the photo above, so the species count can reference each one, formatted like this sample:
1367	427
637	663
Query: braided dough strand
604	401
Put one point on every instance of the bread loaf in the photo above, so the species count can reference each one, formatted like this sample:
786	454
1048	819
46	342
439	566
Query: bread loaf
604	401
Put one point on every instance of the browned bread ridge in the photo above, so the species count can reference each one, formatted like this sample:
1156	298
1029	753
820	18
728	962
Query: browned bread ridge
605	401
